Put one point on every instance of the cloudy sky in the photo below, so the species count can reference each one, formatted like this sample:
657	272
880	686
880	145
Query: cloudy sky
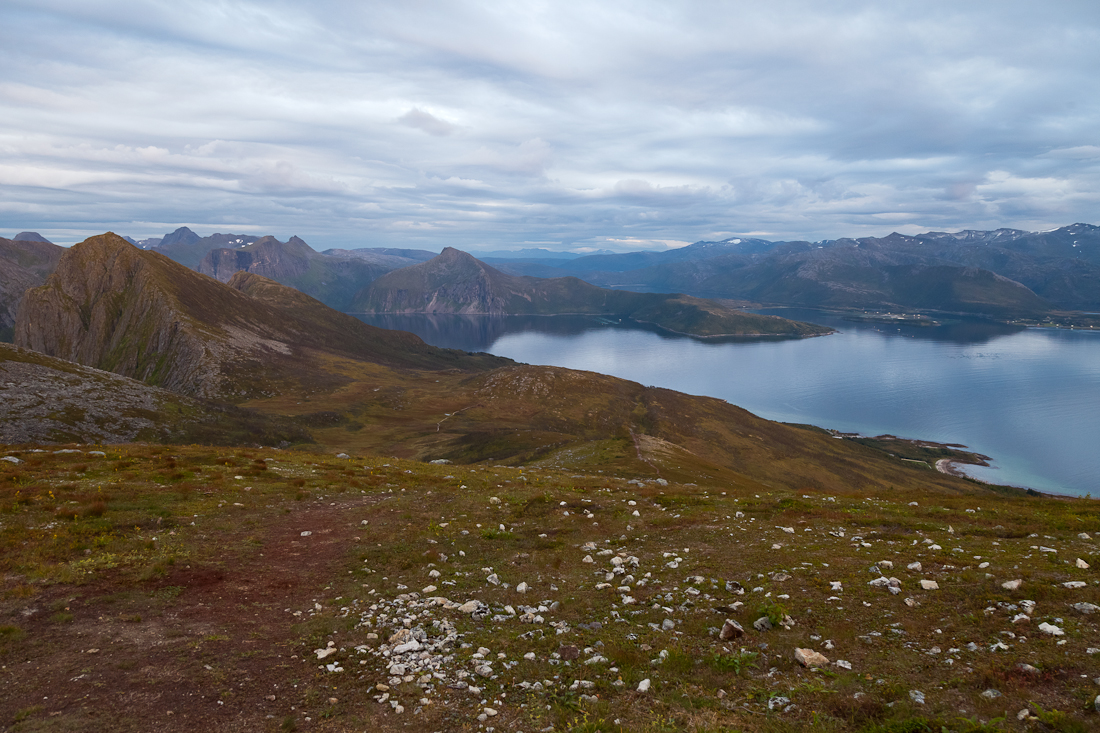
565	125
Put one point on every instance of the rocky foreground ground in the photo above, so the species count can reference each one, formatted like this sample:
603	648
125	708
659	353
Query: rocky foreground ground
177	588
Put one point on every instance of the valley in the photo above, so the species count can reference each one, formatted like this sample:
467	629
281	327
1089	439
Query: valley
228	506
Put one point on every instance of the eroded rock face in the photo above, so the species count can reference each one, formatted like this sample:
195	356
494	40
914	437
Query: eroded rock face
112	306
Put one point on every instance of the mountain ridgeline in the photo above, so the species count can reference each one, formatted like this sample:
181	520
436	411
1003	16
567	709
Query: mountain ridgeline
332	280
137	313
456	282
1005	273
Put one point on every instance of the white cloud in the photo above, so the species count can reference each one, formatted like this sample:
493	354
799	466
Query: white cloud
426	123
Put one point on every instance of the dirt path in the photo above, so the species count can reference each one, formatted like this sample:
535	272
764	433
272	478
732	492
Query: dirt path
216	653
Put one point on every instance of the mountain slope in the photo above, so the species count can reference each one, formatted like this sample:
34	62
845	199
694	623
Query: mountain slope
332	280
138	313
49	400
456	282
24	263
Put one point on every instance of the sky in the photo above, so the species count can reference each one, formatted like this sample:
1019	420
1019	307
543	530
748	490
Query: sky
562	125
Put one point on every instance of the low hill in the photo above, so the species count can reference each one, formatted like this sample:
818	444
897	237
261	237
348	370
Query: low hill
44	400
24	263
333	280
137	313
456	282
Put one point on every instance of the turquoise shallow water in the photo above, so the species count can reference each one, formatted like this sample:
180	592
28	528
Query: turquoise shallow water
1028	398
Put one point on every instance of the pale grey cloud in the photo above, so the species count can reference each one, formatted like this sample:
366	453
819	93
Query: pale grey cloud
607	123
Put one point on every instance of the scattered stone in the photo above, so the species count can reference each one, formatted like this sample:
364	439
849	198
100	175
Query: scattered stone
916	696
11	459
762	624
342	455
991	694
327	651
522	588
929	585
1074	584
1027	668
778	703
1082	564
1086	607
1012	584
914	566
731	630
843	664
810	658
644	685
1051	629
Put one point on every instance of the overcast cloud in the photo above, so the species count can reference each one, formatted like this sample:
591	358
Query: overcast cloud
564	125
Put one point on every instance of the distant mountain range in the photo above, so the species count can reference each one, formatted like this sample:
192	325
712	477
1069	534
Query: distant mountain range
1001	273
456	282
1004	273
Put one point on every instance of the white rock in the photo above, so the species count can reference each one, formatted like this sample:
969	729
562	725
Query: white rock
11	459
916	696
1084	536
915	566
428	589
788	530
886	564
643	686
843	664
490	712
1086	607
929	585
494	499
307	533
522	588
411	645
731	630
991	694
588	558
1012	584
493	578
835	585
1082	564
1046	549
810	658
1051	629
1075	584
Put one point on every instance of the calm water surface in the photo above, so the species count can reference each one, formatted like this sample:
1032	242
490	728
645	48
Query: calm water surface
1029	398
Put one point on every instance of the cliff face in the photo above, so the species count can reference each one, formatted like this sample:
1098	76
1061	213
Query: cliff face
137	313
24	263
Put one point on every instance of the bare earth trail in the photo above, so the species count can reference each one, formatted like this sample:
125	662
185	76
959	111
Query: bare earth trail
219	653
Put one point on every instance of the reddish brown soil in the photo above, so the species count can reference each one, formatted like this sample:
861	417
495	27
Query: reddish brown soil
209	647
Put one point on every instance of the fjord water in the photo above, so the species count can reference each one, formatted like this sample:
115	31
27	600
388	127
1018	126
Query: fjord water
1028	398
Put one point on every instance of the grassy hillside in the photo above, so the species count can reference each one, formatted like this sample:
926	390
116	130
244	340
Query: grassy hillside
183	588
